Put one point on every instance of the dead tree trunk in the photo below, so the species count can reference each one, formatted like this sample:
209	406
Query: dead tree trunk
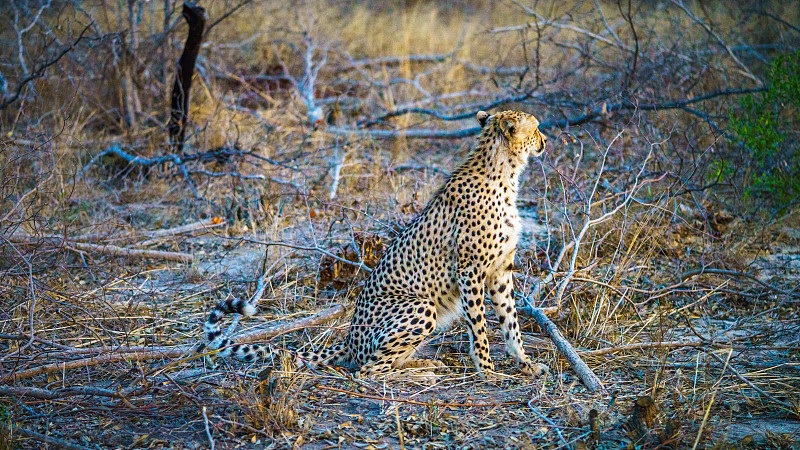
179	106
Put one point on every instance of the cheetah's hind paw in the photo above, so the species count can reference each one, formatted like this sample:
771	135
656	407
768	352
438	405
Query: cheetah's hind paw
424	364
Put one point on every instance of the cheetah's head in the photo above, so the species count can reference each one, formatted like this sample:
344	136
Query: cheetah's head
520	131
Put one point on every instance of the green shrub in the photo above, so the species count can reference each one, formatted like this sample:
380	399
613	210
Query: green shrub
767	126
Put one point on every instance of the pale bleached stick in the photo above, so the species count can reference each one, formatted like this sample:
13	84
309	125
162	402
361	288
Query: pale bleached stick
152	235
586	374
120	354
196	226
113	250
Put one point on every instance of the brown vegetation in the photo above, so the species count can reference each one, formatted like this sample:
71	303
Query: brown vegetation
316	132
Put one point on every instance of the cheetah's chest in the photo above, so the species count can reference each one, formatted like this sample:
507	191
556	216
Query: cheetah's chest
510	226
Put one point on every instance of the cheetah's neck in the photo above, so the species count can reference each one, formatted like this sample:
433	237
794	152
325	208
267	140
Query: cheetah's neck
494	163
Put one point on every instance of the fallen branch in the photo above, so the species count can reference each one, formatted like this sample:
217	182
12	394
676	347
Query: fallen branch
133	160
410	133
195	226
434	169
221	154
445	117
47	394
60	443
153	236
113	250
147	162
121	354
586	375
395	60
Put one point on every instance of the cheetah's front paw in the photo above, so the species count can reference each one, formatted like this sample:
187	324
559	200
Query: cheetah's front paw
534	369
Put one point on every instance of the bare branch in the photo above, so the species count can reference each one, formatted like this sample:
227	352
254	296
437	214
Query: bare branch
113	250
697	20
40	70
601	111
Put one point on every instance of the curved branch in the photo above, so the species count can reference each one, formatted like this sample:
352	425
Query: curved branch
438	115
603	110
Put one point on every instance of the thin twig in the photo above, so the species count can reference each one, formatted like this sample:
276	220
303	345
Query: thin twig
208	429
733	273
697	20
791	408
39	71
705	420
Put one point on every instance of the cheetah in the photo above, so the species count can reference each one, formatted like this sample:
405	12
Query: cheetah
439	268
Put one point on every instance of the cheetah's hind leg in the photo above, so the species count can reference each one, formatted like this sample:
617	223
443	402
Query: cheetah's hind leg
394	359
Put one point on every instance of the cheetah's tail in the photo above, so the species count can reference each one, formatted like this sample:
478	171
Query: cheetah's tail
213	340
211	328
332	355
212	334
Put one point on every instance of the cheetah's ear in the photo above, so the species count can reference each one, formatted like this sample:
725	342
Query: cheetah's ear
482	117
508	125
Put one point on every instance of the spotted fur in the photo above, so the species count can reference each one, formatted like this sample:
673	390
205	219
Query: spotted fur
440	267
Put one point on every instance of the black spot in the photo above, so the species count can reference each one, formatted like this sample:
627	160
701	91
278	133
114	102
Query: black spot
213	334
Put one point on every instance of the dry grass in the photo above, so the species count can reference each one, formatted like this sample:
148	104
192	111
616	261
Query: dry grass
688	357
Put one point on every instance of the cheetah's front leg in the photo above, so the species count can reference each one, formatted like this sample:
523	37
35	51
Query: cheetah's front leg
500	286
470	283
